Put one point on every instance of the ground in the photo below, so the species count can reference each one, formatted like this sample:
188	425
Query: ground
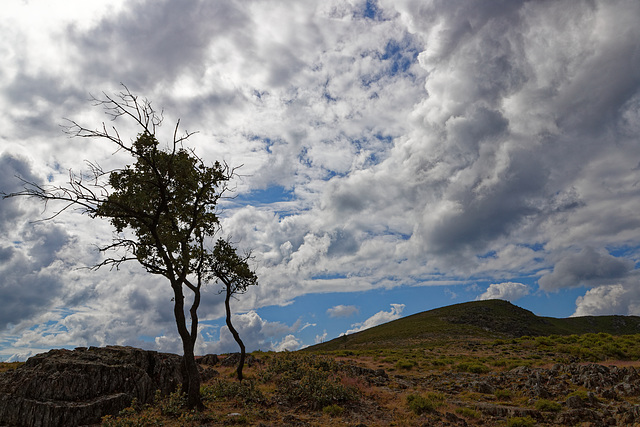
586	380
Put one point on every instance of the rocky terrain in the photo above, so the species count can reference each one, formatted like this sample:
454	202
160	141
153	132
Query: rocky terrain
93	386
66	388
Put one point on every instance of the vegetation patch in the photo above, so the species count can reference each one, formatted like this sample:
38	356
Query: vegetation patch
419	404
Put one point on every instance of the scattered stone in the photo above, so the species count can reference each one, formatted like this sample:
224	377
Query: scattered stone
482	387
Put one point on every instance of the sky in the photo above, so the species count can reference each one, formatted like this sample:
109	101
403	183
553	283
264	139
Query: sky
397	156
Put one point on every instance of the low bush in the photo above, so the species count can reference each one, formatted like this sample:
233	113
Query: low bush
245	391
474	368
468	413
424	404
333	410
173	404
545	405
521	422
503	394
406	365
309	379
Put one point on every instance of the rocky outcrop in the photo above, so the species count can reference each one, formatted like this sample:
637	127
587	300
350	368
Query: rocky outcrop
78	387
590	393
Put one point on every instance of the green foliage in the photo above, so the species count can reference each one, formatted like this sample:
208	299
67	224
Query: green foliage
544	405
503	394
231	269
168	199
132	416
468	413
308	379
474	368
581	393
172	405
406	365
333	410
245	391
521	422
419	404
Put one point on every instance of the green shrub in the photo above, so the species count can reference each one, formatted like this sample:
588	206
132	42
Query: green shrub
503	394
468	412
173	404
424	404
132	416
245	391
474	368
521	422
544	405
406	365
309	379
333	410
582	394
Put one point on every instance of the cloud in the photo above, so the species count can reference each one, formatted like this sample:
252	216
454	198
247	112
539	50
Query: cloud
378	319
320	338
255	332
342	311
608	299
587	268
417	143
509	291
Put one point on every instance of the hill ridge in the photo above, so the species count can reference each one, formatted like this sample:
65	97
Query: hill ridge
477	320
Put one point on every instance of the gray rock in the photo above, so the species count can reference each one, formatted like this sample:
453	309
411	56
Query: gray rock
70	388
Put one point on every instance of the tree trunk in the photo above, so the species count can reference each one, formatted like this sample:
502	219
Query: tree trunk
191	384
191	381
235	334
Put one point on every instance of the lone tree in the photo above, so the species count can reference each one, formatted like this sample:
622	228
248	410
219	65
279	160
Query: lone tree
236	277
163	208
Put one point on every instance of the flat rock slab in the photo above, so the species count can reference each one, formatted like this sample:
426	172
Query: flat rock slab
78	387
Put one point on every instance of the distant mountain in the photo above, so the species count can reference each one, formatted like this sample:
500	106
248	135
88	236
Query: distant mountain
489	319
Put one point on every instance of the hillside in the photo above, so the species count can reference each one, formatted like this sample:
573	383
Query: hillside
489	319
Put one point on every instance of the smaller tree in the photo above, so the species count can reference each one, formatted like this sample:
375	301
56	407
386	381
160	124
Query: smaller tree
235	275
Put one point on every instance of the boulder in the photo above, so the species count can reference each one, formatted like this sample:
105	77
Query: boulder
209	359
78	387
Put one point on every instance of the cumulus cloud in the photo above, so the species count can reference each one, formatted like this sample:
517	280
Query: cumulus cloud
587	268
256	333
342	311
415	143
378	319
509	291
605	300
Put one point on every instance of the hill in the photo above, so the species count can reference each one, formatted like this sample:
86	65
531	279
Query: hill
476	320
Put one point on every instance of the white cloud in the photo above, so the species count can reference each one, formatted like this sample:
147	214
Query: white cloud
321	338
288	343
509	291
442	141
604	300
378	319
342	311
256	333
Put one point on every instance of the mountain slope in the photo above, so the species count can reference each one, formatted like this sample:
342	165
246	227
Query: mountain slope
477	320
